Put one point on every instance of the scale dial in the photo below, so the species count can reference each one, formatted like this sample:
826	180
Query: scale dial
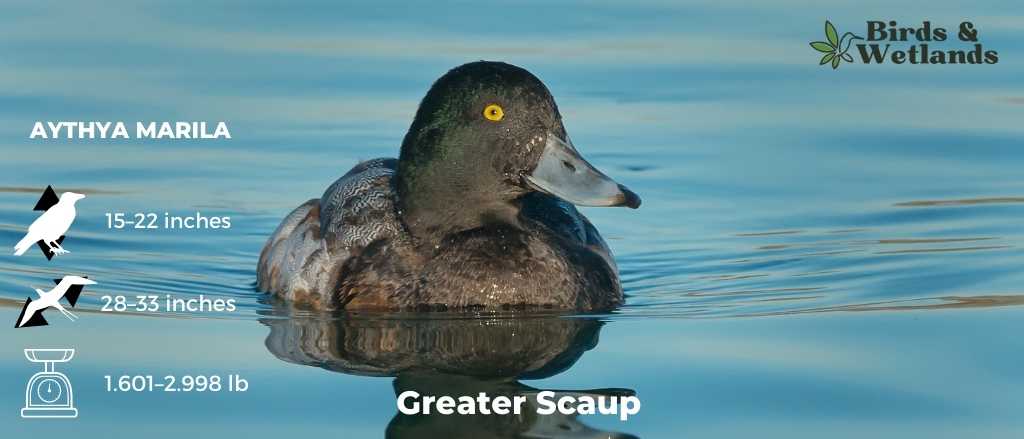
49	390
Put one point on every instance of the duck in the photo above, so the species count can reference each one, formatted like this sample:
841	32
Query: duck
477	213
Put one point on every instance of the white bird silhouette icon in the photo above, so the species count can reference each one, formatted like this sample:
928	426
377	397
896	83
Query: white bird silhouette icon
51	225
69	286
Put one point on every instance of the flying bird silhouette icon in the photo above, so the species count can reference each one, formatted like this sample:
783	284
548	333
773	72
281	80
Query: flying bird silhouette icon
48	230
69	287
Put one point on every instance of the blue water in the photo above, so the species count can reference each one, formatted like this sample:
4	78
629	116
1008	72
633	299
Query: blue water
819	253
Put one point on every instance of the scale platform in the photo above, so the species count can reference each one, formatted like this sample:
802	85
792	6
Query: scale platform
49	355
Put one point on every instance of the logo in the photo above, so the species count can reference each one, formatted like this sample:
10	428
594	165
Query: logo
929	44
835	48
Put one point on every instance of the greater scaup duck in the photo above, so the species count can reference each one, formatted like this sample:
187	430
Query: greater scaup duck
474	214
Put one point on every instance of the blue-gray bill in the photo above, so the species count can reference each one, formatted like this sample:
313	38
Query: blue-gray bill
562	172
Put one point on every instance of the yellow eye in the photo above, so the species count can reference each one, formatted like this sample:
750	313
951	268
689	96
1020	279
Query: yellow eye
494	112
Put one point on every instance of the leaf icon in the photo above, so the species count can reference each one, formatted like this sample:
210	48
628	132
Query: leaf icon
835	62
830	33
847	57
822	46
828	57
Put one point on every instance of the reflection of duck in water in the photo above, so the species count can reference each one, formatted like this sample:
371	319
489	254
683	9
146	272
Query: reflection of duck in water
477	212
452	357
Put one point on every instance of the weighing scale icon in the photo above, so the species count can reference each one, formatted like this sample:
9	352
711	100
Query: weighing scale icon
49	393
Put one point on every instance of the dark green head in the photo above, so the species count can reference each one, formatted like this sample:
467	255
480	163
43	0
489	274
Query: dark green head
486	134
